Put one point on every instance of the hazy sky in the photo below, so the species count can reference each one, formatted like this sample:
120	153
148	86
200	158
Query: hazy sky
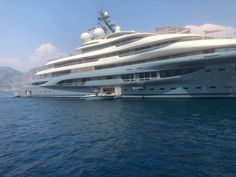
33	31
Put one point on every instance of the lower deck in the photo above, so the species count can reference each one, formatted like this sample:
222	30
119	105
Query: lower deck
214	81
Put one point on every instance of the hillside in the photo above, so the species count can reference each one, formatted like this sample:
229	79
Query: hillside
11	78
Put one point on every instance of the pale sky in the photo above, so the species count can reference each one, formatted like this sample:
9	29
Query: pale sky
34	31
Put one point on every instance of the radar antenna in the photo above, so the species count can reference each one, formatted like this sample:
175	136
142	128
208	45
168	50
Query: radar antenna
105	23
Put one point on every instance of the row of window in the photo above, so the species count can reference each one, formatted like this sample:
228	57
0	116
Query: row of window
177	72
134	76
45	92
219	69
54	74
146	48
82	81
185	88
160	74
116	43
39	83
152	89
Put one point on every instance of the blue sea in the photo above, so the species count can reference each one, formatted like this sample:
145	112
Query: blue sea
121	138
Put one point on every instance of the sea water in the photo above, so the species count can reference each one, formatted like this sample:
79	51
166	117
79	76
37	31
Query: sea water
72	137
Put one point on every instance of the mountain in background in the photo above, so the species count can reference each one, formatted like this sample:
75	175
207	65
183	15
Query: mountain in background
11	78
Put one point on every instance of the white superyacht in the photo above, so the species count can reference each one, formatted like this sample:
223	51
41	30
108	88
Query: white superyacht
129	64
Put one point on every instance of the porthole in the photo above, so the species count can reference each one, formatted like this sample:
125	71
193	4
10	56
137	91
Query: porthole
228	86
198	87
212	87
208	70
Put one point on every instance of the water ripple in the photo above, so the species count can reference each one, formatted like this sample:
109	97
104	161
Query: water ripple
69	137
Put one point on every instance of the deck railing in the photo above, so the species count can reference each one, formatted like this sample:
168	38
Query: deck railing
214	34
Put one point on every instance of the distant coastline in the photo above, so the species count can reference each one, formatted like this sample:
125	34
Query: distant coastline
11	79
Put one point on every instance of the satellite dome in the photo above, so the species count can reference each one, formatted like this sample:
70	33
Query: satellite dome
85	37
105	13
117	29
99	33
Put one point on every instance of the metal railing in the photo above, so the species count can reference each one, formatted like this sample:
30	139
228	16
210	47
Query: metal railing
214	34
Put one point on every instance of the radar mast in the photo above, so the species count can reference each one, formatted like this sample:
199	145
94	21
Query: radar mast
105	23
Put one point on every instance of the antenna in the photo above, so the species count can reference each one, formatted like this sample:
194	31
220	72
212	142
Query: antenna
105	23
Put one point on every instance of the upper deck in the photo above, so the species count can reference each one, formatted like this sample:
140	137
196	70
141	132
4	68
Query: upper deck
111	46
